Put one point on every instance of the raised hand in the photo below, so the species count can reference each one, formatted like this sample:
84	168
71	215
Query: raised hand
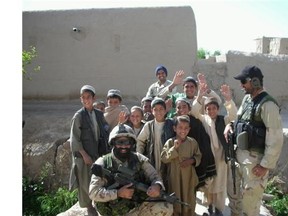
201	78
178	77
225	91
203	88
122	118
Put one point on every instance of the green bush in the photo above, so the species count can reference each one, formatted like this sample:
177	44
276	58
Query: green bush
279	204
39	199
55	203
27	57
31	191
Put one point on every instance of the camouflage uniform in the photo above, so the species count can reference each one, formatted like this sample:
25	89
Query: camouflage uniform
99	193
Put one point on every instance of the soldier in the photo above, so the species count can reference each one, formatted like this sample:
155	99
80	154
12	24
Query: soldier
259	139
124	200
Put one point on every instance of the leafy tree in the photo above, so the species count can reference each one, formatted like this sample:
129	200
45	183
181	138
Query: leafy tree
201	53
27	57
216	53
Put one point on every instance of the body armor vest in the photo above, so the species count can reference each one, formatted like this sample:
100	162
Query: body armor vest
250	120
122	206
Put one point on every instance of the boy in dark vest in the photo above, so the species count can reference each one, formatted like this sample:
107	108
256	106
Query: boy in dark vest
214	124
88	141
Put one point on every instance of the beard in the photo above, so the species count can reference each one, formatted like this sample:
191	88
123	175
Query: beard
122	153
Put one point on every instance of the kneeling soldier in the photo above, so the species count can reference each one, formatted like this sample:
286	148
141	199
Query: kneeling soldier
112	199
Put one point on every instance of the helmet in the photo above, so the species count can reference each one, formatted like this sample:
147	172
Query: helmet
122	130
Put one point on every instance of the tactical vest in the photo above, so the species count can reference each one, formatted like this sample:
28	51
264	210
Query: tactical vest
122	206
250	120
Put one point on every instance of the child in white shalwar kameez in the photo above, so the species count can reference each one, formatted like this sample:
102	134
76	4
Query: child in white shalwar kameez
214	125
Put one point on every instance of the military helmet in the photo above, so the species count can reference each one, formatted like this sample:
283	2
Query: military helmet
122	130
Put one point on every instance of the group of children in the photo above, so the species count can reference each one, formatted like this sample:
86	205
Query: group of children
181	134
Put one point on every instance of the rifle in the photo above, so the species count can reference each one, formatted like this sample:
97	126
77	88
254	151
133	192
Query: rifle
125	176
232	157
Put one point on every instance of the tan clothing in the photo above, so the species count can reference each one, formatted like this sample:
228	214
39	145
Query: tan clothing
143	136
160	90
219	183
253	186
111	115
182	181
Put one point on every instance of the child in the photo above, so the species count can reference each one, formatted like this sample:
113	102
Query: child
190	88
158	88
114	108
88	141
100	105
136	119
146	106
214	125
182	154
207	168
154	134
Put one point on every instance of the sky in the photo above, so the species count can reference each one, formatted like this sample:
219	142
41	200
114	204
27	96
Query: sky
221	25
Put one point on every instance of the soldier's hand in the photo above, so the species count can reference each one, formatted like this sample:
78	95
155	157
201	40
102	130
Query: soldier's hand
126	191
259	171
154	190
228	129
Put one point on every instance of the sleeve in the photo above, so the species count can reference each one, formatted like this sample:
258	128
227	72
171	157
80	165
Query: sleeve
274	134
75	133
168	152
150	171
195	110
165	91
231	111
150	91
97	190
197	155
142	138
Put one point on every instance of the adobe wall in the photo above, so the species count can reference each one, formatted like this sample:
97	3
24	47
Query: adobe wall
274	68
115	48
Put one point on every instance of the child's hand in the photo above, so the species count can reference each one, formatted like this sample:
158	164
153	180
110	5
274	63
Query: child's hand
169	104
187	162
203	88
178	77
225	91
177	143
201	78
122	118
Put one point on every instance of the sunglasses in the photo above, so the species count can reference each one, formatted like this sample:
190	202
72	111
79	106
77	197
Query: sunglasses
122	142
244	81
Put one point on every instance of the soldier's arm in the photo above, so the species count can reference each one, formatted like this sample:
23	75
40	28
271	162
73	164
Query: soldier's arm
274	134
142	139
97	190
150	172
